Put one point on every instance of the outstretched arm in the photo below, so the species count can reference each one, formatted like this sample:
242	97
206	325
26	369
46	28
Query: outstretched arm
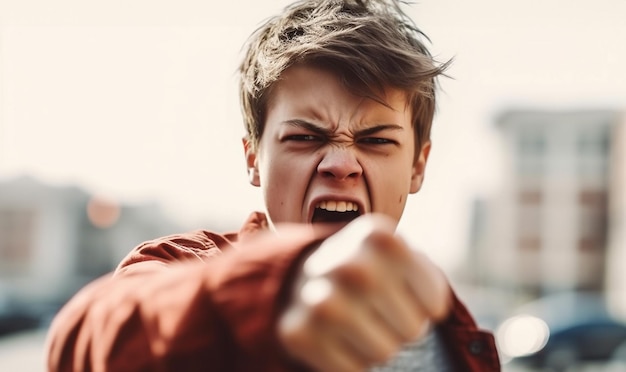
175	306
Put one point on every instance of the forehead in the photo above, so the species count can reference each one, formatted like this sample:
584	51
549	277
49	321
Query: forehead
310	87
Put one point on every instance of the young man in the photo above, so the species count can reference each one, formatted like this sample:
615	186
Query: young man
338	97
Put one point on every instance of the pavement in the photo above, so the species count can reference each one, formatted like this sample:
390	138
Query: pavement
23	352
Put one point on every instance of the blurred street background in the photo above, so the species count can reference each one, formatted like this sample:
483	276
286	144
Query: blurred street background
119	122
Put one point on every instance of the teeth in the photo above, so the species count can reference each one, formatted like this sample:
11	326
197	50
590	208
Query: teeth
338	206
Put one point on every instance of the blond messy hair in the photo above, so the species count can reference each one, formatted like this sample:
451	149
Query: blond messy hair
371	44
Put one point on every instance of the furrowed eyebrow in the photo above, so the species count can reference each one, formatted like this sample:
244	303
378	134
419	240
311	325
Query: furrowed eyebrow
308	126
378	128
323	131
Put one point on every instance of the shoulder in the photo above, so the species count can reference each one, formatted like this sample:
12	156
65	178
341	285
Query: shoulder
197	245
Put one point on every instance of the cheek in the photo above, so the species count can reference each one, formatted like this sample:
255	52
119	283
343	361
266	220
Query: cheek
284	181
276	193
390	186
283	171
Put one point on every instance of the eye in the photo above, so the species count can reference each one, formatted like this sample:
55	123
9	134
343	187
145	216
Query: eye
303	138
376	141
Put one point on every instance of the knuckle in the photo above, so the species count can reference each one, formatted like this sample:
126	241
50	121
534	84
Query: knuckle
294	329
378	239
357	274
324	310
388	246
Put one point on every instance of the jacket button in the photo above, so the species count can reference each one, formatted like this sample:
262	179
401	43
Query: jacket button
476	347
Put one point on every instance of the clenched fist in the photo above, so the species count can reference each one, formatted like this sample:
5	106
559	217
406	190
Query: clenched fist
361	296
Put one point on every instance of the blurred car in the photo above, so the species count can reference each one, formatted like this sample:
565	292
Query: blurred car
17	321
559	331
17	316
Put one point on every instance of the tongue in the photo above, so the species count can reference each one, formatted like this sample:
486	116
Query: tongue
322	215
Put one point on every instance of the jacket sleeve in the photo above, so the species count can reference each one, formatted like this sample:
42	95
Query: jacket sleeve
473	349
182	304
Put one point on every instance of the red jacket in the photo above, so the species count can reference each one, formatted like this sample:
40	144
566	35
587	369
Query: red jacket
206	301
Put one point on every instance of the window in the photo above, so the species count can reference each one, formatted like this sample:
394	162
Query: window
592	221
594	143
529	219
531	153
17	226
532	143
593	154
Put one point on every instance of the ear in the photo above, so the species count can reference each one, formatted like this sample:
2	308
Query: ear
419	168
251	162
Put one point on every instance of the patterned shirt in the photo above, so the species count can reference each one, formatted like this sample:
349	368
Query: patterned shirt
426	355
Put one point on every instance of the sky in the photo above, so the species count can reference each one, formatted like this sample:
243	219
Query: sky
137	100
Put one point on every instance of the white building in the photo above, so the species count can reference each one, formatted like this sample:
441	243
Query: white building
53	240
548	229
616	254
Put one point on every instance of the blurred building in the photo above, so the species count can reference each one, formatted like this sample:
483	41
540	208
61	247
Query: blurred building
555	224
616	255
55	239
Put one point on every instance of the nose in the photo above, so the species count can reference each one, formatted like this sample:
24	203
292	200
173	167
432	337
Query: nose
340	163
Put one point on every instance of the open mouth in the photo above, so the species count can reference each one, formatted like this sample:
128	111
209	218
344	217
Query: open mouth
335	211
